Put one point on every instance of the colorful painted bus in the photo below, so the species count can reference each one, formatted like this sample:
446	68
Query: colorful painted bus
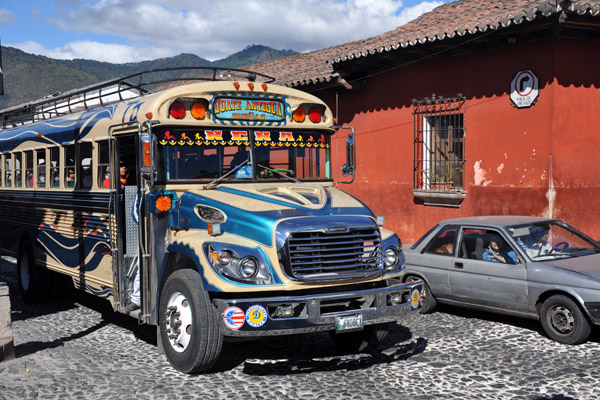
227	214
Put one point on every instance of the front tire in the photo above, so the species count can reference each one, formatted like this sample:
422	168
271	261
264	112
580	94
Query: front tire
367	339
563	320
428	301
189	326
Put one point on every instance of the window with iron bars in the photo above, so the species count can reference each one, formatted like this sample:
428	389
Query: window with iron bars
439	143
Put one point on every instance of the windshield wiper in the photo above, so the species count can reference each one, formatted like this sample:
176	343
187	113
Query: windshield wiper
222	177
279	173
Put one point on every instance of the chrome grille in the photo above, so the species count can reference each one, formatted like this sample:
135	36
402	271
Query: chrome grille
319	255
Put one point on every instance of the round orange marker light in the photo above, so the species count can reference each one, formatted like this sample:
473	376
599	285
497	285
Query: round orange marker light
177	110
315	115
163	203
198	110
299	115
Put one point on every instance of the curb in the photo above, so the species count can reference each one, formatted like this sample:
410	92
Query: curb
7	348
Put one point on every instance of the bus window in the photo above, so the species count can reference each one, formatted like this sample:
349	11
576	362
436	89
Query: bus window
54	167
18	170
69	164
8	169
41	168
85	153
29	168
103	165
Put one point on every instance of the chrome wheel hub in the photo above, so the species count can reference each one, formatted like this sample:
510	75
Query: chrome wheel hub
178	322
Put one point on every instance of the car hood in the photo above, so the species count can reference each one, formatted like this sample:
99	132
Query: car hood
587	265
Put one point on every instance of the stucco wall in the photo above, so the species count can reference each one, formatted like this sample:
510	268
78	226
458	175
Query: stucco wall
535	161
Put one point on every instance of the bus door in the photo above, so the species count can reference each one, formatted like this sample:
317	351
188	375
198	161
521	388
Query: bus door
128	218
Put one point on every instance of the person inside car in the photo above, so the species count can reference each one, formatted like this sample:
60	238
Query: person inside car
496	252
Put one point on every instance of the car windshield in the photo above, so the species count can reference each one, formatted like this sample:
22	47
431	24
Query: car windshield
552	240
212	156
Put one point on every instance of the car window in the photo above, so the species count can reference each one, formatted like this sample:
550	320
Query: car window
418	242
443	243
486	245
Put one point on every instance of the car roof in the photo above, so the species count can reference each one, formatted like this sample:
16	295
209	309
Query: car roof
496	220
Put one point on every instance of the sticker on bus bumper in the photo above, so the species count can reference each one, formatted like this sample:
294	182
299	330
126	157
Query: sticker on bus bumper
233	318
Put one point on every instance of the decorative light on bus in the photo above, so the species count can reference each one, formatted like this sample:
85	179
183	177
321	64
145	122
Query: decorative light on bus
264	87
299	115
198	110
315	114
250	85
236	85
177	110
163	203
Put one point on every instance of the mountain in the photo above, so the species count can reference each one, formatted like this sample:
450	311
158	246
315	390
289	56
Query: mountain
253	54
29	77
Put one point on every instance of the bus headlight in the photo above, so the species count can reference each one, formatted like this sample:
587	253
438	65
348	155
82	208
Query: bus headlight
240	264
390	257
248	267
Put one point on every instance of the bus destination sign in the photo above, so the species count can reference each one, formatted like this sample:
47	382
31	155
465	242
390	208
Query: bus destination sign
248	109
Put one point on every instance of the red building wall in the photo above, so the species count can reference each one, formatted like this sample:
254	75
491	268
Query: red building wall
536	161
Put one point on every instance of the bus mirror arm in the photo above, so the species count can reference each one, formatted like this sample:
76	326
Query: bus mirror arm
349	168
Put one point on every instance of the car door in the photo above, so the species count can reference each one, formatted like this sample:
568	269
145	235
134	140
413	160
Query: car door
436	258
472	280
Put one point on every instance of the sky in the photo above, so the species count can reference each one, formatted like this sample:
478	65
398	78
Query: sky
123	31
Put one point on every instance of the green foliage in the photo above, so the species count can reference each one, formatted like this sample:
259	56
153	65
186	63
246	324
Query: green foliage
28	77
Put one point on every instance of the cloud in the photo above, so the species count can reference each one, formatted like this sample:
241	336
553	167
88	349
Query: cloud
7	17
216	29
113	53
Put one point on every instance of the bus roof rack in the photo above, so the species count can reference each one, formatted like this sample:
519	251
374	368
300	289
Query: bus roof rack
114	90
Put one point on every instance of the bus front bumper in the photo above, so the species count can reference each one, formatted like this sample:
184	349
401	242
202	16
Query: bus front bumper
346	311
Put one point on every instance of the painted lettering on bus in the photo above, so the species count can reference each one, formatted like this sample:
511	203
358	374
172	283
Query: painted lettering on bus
213	135
239	136
268	107
264	136
286	137
224	105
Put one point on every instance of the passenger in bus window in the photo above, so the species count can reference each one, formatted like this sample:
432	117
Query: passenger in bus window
106	180
71	177
86	182
125	176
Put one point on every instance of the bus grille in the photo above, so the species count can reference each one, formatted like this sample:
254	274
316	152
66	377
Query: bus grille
320	255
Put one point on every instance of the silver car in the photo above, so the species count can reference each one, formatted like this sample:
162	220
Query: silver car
526	266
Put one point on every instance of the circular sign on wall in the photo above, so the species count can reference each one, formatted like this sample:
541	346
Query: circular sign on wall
524	89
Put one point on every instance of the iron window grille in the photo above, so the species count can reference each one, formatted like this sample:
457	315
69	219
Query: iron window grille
439	143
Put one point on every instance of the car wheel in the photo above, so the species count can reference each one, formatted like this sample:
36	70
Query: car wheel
189	326
428	301
563	320
32	278
367	339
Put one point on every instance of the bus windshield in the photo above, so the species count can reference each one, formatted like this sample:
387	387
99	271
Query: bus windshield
207	155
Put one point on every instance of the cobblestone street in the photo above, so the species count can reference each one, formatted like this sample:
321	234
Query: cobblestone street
78	348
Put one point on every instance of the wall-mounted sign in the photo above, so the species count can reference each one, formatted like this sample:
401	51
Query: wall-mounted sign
236	108
524	89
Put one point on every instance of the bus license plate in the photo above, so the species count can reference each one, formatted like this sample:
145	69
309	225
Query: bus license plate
349	323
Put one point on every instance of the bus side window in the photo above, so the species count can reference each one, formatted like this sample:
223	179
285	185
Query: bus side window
54	167
69	164
28	168
85	154
8	176
18	170
41	168
103	165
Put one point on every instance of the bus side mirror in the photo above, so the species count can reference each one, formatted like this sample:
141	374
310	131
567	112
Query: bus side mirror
149	150
349	168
